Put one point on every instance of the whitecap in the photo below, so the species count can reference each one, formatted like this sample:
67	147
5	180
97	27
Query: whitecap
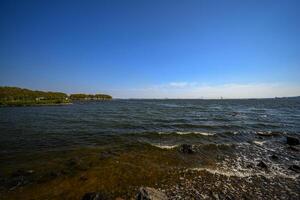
187	133
196	133
242	173
260	143
165	146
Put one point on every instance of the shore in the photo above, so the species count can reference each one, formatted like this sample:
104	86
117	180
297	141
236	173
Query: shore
183	172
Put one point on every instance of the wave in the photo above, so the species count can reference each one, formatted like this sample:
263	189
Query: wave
165	146
207	126
246	173
260	143
187	133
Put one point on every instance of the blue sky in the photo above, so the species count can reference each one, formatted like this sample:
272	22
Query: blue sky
152	49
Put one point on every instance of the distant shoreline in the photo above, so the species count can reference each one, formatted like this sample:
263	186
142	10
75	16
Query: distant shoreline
270	98
34	105
19	97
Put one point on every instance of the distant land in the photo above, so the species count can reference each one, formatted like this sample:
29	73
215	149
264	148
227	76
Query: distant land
15	96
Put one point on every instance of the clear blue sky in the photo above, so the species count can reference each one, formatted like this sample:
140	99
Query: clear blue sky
149	48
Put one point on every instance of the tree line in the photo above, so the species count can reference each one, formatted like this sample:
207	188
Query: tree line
21	96
90	97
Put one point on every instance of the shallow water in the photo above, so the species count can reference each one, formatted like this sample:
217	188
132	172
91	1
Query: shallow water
224	135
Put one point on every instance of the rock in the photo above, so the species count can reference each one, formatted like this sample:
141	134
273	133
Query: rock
147	193
186	148
76	164
262	165
21	172
93	196
72	162
249	166
216	196
274	157
83	178
267	134
292	140
295	168
294	148
107	154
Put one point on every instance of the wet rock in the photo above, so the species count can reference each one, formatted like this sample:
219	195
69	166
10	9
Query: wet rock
107	154
186	148
94	196
292	140
72	162
76	164
262	165
83	178
147	193
19	178
250	166
22	172
294	148
295	168
274	157
267	134
216	196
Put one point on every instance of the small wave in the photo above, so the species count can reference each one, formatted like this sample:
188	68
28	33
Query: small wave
221	172
206	126
187	133
245	174
161	146
260	143
196	133
169	105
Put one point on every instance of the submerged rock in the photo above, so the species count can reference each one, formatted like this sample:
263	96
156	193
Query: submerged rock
93	196
292	140
262	165
186	148
267	134
107	154
147	193
21	172
295	168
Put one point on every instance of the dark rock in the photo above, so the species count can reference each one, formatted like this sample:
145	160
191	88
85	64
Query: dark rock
147	193
19	178
274	157
107	154
94	196
72	162
295	168
21	172
292	140
186	148
76	164
262	165
249	166
294	148
216	196
267	134
83	178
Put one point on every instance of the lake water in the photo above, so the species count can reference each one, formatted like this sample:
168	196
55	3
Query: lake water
228	136
44	127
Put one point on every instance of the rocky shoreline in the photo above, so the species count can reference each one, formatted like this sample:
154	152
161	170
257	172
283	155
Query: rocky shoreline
205	183
251	170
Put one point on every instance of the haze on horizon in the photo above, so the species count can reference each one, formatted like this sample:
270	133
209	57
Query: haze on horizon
152	49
